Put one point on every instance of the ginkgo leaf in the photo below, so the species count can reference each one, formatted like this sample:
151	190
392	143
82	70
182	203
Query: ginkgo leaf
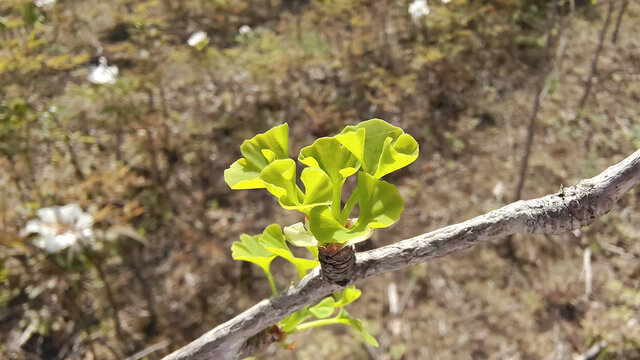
279	178
290	323
357	324
349	295
380	202
299	236
273	240
380	147
380	206
317	191
249	249
258	152
332	157
324	308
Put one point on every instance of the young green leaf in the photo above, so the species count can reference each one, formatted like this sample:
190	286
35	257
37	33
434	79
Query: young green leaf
279	178
380	202
273	240
324	308
258	152
298	235
357	324
349	295
380	206
249	249
333	158
290	323
380	147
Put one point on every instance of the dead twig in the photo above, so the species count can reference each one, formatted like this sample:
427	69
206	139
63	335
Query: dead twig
594	63
593	351
588	274
545	60
623	8
151	349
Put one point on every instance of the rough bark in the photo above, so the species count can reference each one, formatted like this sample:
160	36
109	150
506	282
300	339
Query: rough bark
571	208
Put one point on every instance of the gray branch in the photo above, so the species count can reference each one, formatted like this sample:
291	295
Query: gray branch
252	331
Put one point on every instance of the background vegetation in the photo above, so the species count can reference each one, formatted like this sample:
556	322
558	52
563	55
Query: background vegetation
145	155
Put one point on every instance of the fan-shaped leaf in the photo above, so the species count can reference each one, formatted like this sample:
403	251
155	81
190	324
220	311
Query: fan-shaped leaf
249	249
324	308
332	157
380	147
380	206
273	240
258	152
279	178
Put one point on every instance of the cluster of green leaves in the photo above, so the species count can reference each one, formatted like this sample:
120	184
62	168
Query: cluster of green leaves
368	150
262	249
322	313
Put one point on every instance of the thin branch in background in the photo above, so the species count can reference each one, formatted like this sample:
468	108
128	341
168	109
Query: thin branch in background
574	207
561	47
619	251
593	351
110	299
506	248
623	8
151	349
594	63
153	154
67	141
544	65
588	273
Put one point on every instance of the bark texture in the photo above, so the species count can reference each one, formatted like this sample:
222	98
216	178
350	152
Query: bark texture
337	264
571	208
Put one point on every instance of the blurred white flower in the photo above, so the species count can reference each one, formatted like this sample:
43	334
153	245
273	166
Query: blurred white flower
103	74
244	29
499	191
418	9
446	1
197	38
60	227
45	4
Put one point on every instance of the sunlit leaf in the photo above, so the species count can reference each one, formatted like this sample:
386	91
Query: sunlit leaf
324	308
299	236
280	180
380	147
332	157
258	152
273	240
380	206
249	249
292	321
349	295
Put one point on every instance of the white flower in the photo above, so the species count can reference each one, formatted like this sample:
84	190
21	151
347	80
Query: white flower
60	227
418	9
45	4
244	29
499	191
103	74
197	38
446	1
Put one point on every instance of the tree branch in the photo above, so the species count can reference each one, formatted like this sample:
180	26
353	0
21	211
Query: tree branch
571	208
594	62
